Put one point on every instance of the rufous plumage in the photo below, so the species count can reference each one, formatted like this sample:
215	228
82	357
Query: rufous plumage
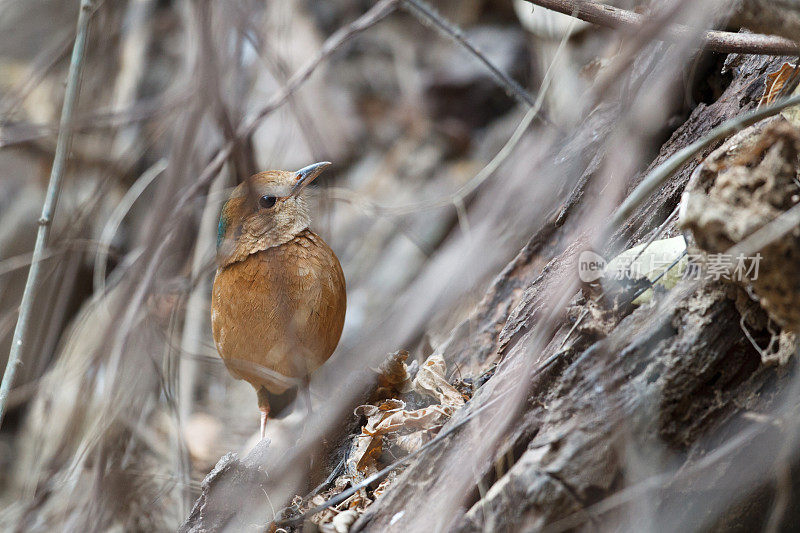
279	299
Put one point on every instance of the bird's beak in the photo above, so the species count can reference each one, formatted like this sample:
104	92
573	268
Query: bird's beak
308	174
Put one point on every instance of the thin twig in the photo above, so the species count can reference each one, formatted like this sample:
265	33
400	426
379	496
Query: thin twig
374	15
50	202
717	41
422	10
279	71
115	220
663	171
457	197
658	232
16	262
170	102
40	67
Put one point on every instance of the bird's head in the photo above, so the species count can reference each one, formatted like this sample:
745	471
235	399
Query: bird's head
269	209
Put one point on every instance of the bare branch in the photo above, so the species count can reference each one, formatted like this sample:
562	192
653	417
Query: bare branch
50	202
374	15
425	12
717	41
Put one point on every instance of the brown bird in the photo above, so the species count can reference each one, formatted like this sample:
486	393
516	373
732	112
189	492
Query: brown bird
279	300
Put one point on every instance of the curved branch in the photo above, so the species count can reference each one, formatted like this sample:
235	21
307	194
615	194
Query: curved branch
717	41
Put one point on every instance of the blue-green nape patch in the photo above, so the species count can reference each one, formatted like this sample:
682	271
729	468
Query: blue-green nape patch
224	222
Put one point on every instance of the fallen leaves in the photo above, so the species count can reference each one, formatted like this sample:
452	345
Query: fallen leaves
411	428
777	83
430	380
393	376
394	426
408	428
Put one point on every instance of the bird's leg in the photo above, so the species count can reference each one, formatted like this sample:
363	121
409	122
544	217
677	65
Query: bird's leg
263	406
264	413
307	387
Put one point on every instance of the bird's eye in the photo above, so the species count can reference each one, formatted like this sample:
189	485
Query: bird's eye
267	201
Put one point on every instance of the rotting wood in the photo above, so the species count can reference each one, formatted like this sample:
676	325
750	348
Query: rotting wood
696	369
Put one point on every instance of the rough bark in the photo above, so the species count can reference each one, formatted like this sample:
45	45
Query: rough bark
776	17
672	384
217	507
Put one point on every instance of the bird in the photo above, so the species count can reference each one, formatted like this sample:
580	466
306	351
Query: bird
279	296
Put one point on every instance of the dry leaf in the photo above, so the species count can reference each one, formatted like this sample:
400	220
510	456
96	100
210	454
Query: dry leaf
381	488
650	261
430	381
341	522
390	418
368	444
775	82
393	373
413	441
420	419
376	413
391	404
388	421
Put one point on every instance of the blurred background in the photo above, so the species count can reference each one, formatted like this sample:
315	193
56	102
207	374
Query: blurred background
121	405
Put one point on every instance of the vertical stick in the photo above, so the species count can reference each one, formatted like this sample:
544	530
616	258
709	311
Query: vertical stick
50	202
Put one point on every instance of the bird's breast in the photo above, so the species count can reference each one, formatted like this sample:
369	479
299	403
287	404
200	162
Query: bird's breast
280	310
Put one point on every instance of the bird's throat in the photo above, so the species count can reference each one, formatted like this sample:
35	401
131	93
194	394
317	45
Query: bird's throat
247	244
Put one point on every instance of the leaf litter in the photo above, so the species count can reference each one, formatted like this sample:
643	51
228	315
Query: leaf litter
406	414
